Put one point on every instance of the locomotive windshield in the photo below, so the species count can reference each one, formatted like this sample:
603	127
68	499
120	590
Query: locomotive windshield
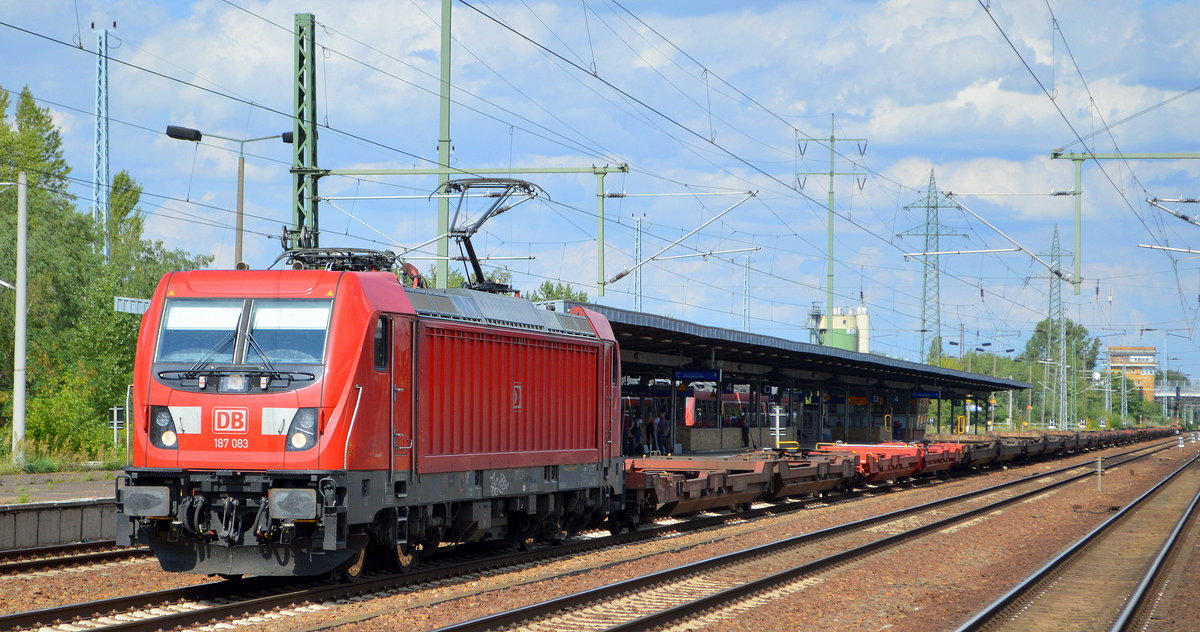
244	331
287	331
199	330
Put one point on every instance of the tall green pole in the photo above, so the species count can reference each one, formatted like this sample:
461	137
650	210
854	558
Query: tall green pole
1078	159
600	233
443	219
829	232
305	227
1078	280
832	140
306	173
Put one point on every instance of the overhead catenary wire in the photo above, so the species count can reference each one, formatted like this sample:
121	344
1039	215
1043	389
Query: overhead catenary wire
671	120
840	263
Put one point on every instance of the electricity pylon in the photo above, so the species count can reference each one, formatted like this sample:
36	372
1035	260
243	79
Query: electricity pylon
932	231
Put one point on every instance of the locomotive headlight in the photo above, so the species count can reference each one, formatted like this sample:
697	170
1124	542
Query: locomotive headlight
162	428
302	432
298	441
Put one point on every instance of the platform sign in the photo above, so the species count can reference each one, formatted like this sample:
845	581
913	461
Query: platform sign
926	395
698	375
777	422
116	417
116	420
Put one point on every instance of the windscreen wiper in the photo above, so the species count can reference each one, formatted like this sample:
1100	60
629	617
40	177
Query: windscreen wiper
195	368
261	353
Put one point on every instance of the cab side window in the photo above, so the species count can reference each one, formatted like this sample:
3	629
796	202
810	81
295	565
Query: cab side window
382	339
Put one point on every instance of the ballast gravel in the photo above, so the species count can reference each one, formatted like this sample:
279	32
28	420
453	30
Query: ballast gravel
934	585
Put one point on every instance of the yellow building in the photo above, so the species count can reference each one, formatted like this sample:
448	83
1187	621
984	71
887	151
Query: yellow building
1138	364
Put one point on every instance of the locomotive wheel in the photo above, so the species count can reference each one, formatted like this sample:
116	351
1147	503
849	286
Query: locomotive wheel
405	556
354	572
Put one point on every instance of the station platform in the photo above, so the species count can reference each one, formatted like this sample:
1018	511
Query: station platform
18	489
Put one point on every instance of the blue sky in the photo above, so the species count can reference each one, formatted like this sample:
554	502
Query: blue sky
713	98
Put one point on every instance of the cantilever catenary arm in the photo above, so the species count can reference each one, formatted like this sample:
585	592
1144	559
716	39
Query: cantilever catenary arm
623	273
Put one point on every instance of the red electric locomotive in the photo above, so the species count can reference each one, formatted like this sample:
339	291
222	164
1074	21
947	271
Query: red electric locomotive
298	422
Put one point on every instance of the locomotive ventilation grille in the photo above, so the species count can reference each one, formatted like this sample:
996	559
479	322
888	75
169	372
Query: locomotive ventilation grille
503	311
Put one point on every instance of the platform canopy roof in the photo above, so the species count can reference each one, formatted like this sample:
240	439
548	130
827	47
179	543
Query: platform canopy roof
657	343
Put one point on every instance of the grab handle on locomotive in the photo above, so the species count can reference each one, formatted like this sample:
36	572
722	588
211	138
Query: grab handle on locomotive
400	440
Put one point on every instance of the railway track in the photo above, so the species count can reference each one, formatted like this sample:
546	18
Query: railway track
1103	581
680	594
60	556
224	599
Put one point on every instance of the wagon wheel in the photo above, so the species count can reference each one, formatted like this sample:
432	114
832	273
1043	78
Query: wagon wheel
553	528
525	532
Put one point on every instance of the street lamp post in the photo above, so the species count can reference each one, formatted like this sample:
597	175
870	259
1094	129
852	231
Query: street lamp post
1167	396
19	332
194	135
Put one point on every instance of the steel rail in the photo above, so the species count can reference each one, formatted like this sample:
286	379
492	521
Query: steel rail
286	597
46	563
57	549
221	589
987	615
1133	607
674	614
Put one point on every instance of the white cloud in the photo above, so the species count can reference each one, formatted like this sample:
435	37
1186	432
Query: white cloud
930	85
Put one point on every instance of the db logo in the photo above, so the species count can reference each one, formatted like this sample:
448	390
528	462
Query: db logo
230	420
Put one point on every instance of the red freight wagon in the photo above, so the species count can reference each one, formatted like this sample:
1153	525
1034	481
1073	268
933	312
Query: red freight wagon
298	422
935	457
879	462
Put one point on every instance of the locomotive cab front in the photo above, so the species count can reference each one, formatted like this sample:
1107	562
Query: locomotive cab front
234	399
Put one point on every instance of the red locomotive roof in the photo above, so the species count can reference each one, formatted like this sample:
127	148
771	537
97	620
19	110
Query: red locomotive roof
378	290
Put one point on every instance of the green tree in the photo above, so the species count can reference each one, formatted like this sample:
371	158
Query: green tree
935	353
458	279
80	351
555	291
1171	375
1079	345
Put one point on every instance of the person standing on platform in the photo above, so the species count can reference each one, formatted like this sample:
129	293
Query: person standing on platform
652	433
664	434
639	434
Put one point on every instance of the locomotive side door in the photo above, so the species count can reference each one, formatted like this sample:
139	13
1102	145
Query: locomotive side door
403	397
